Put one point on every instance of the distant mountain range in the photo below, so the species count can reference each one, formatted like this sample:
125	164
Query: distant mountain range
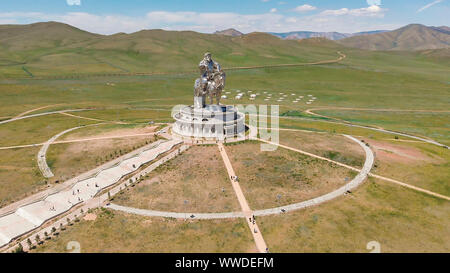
24	38
410	37
297	35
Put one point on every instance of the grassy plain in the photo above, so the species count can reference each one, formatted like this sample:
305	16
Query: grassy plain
332	146
67	160
78	73
415	163
195	181
114	231
19	174
276	178
434	125
401	220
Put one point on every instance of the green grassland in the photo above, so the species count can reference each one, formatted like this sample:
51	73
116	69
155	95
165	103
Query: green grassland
65	68
19	174
435	125
38	129
143	51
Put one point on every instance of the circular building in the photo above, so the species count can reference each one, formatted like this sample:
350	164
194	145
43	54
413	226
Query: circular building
210	121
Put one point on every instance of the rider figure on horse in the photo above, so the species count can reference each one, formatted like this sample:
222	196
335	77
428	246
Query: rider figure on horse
212	80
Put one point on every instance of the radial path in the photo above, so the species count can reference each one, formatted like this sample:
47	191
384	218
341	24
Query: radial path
249	217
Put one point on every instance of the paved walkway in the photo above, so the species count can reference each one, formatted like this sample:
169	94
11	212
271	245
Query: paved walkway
277	210
177	215
31	216
359	179
248	213
69	183
97	201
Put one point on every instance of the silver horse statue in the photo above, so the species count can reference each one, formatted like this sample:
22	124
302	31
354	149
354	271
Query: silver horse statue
211	83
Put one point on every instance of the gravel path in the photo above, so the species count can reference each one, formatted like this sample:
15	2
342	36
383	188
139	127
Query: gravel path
42	114
41	157
362	175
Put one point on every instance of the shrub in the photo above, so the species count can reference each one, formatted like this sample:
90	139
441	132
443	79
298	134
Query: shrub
19	249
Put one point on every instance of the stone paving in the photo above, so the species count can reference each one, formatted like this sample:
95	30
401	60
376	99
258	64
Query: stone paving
178	215
32	216
98	200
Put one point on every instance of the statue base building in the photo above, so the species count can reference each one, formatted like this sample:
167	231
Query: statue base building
209	122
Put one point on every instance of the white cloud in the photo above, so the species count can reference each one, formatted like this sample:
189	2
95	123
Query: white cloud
73	2
429	5
291	20
371	11
273	10
347	21
304	8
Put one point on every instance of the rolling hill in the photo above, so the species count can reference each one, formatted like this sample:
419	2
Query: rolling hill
46	49
39	35
51	49
229	32
410	37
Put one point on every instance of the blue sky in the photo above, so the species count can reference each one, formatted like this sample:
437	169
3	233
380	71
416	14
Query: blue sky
111	16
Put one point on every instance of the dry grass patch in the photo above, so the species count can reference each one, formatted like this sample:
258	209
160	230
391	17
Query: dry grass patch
282	177
71	159
195	181
332	146
419	164
114	231
109	131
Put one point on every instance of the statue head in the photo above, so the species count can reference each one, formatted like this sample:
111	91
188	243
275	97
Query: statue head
207	56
